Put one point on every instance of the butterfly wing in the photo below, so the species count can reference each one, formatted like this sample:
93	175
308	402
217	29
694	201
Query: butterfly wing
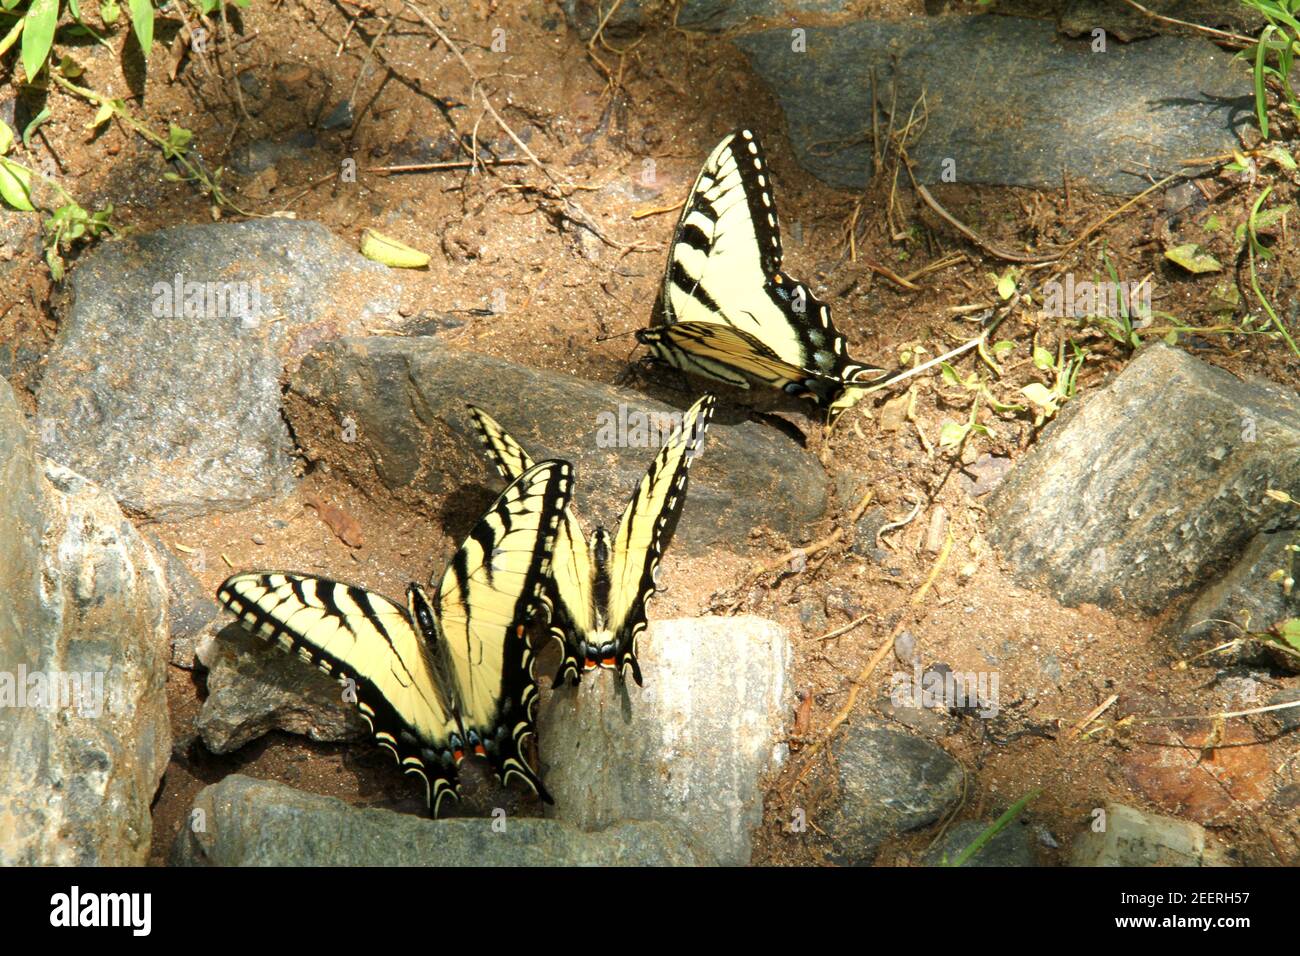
573	618
493	587
645	529
724	268
354	634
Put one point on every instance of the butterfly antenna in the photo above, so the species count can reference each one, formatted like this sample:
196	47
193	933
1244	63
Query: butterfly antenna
615	335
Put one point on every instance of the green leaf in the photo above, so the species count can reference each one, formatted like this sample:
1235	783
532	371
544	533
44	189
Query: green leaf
952	434
16	185
178	140
1269	218
38	35
37	120
1007	285
102	116
142	23
6	137
1290	631
1213	224
949	374
1003	347
1040	395
1193	258
109	11
1043	359
1282	158
1261	99
11	37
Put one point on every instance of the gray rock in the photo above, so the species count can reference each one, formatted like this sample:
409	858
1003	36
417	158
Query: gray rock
1244	596
984	474
179	415
1144	488
1110	119
254	688
865	531
191	612
701	16
1081	17
83	609
889	782
264	153
20	365
1013	845
1289	719
1133	838
247	822
405	399
19	238
340	117
690	748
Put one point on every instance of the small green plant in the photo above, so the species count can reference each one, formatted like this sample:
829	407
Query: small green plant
175	144
993	829
1259	221
1064	372
1287	632
1273	54
954	434
68	222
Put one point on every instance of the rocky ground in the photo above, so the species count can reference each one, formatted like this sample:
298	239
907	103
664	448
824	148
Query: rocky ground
1104	556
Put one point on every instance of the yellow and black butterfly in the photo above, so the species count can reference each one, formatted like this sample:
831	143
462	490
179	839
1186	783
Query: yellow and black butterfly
726	311
451	673
600	587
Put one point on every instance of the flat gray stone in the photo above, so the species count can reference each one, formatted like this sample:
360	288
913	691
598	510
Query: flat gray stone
1024	106
254	688
240	821
1146	487
890	782
401	402
690	748
176	409
1245	596
191	611
1129	837
1013	845
83	607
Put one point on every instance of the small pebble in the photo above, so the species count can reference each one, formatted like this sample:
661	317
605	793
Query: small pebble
905	648
258	539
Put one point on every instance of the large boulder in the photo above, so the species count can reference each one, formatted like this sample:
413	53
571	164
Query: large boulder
164	381
1150	485
245	822
84	733
1025	107
391	412
690	748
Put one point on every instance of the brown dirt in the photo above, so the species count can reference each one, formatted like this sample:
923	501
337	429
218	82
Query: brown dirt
563	288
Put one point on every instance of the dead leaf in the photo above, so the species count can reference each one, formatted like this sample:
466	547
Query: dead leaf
345	527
